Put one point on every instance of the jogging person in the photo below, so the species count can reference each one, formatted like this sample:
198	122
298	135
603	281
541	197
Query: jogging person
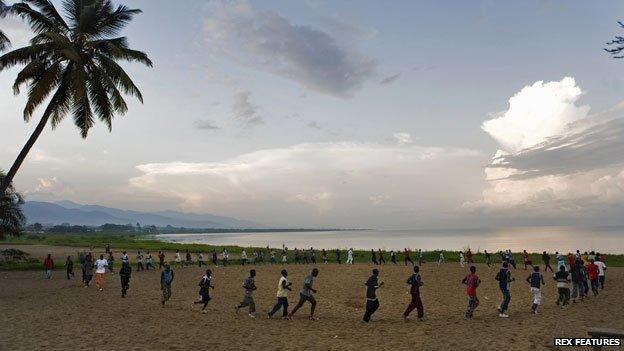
526	258
283	287
177	258
420	257
149	261
200	259
504	282
469	257
372	302
100	270
441	258
166	278
536	280
161	260
69	267
324	256
407	256
461	259
337	252
87	269
546	261
415	283
380	255
111	263
592	272
560	261
393	257
249	285
472	282
488	258
350	256
306	294
602	267
563	286
48	266
139	261
577	276
205	284
374	257
124	275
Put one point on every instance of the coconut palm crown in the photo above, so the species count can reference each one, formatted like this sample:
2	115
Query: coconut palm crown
72	63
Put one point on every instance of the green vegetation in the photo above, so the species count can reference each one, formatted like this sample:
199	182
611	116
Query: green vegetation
134	242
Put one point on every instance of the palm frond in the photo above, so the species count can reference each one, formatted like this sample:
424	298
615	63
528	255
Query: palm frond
119	77
60	103
81	107
98	94
40	90
117	48
32	70
113	22
23	56
4	41
37	21
48	9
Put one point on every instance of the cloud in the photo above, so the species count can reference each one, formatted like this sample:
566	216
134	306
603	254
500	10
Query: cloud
244	110
390	79
268	41
205	125
555	159
50	188
536	113
305	181
403	138
313	125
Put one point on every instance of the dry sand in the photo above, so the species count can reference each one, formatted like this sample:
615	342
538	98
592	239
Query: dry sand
61	314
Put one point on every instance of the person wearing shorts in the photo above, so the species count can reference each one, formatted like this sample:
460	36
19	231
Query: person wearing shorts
100	270
306	294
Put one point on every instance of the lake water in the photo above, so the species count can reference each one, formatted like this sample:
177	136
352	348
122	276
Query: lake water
532	239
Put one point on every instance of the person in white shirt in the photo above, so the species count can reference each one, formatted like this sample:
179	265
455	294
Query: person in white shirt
461	259
243	257
350	256
100	270
178	258
124	256
441	258
283	287
602	267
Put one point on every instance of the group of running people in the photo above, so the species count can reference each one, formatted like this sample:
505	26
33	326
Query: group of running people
576	275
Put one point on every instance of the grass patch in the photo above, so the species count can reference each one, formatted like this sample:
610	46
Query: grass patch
145	242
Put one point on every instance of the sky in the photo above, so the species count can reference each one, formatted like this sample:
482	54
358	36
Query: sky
351	114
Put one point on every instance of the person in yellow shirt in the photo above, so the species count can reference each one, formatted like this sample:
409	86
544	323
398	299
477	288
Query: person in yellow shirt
283	287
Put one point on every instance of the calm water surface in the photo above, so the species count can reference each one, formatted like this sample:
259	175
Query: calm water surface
532	239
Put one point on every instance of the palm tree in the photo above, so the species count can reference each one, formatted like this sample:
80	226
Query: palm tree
73	59
4	41
616	48
11	218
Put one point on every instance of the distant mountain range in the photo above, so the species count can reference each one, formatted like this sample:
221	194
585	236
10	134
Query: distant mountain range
93	215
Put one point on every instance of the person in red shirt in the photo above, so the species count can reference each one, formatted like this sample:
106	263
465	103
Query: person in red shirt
415	283
469	256
472	281
592	272
48	265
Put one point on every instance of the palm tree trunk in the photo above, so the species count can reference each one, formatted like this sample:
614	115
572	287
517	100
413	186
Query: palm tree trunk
22	155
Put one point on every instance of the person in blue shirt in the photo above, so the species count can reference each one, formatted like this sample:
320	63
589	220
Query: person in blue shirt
536	280
504	282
